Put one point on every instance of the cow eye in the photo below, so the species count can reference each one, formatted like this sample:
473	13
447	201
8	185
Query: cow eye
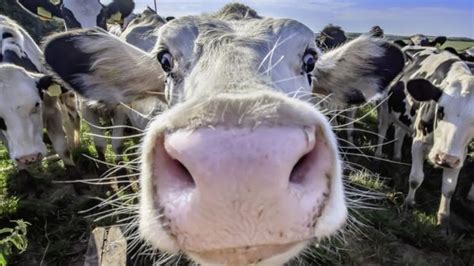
309	60
166	60
36	108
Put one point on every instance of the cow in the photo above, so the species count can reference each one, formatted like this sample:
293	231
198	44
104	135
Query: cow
421	40
330	37
25	101
241	169
80	13
433	100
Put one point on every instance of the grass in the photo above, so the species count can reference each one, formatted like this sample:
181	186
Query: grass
458	45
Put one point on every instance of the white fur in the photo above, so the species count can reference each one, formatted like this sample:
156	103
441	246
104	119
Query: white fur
84	11
18	99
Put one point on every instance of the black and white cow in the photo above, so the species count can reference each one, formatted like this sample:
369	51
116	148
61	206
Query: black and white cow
329	38
422	40
238	170
80	13
433	100
24	102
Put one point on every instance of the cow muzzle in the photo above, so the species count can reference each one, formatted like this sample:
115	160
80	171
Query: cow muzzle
446	160
245	192
29	159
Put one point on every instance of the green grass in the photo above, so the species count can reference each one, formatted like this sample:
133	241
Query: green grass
458	45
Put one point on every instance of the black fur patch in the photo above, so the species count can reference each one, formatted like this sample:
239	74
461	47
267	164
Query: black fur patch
355	97
396	102
69	19
440	113
331	36
32	7
389	65
438	40
66	60
400	43
11	57
423	90
441	71
3	126
427	118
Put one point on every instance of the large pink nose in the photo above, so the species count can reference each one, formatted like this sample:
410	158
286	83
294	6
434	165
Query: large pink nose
446	160
234	188
29	159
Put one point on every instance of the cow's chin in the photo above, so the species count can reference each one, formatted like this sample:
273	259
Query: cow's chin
264	255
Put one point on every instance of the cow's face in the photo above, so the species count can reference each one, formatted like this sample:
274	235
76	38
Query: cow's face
235	86
242	168
454	119
20	115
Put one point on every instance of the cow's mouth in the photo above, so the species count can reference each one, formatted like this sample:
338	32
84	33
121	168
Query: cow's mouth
230	195
246	255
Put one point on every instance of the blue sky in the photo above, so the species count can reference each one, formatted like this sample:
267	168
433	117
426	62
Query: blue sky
431	17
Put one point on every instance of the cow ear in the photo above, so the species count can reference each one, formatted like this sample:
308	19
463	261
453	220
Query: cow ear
422	90
438	40
47	85
101	67
359	70
118	10
44	9
400	43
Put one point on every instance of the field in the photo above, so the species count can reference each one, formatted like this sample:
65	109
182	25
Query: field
458	45
380	232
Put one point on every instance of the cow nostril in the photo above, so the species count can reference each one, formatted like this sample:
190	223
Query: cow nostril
300	170
183	173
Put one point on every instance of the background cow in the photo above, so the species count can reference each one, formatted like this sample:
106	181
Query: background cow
422	40
80	13
20	92
433	100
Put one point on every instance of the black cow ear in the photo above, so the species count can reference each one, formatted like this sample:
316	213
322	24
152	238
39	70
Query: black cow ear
422	90
117	10
47	84
44	9
400	43
438	40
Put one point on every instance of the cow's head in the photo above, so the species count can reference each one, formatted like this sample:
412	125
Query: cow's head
80	13
21	124
454	117
331	37
422	40
241	168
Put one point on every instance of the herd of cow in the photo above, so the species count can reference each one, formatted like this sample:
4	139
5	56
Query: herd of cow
238	165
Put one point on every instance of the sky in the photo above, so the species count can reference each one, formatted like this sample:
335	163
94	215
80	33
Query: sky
453	18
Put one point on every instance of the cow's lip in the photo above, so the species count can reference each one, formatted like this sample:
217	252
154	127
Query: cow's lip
243	255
